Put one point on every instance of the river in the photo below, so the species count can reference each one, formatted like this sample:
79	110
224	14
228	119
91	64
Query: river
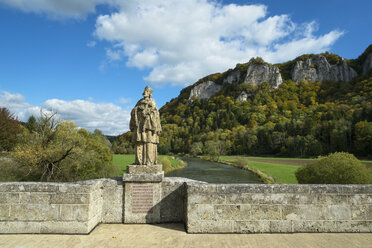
212	172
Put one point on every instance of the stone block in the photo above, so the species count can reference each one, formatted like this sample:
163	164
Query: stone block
281	226
307	226
251	226
9	198
300	199
74	212
112	205
337	212
201	188
354	226
331	199
206	199
73	188
20	227
158	177
325	189
244	198
200	212
358	212
360	199
4	212
266	212
356	189
64	198
34	212
233	212
144	169
34	198
41	187
303	212
210	226
68	227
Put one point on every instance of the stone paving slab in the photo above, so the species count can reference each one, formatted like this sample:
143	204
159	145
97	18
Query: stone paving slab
174	235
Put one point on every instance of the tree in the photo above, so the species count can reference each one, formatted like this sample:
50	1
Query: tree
31	124
59	151
214	148
196	148
10	127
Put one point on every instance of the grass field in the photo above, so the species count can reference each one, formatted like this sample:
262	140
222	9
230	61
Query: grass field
122	160
282	173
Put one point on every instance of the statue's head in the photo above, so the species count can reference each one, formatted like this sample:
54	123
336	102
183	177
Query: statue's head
148	92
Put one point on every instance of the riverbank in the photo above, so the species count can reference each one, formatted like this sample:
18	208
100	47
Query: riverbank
268	172
243	166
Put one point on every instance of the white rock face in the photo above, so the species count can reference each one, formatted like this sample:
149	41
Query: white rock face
259	73
244	96
367	64
205	90
233	77
319	69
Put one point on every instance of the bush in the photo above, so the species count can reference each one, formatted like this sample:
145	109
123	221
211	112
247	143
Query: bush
59	152
167	166
336	168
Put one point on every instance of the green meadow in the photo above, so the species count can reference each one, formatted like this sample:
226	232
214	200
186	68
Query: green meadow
281	173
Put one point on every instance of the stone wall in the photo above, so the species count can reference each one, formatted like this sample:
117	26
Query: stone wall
259	208
77	208
29	207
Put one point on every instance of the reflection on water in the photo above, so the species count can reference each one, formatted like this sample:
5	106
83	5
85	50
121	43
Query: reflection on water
213	172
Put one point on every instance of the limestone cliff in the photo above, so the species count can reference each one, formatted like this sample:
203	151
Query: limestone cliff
204	90
317	68
257	73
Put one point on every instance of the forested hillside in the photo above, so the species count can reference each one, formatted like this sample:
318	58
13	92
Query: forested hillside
245	111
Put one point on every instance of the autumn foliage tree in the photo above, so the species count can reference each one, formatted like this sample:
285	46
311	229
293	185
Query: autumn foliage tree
10	127
59	151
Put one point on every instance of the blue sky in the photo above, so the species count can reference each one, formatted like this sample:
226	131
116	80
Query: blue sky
90	60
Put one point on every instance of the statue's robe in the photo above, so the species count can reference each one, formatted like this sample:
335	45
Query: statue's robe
145	126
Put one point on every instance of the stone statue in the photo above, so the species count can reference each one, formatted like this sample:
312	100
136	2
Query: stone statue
145	126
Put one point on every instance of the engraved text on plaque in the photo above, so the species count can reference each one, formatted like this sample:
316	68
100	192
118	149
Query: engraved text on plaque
142	199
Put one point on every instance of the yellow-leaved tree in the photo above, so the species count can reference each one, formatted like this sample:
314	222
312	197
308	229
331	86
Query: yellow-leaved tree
59	151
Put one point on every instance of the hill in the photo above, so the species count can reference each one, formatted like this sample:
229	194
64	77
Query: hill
312	105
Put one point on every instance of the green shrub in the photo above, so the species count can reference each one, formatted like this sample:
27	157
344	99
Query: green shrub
167	166
336	168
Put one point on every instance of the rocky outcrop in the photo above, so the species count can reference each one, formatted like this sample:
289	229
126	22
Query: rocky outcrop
232	78
318	69
367	64
244	96
262	72
205	90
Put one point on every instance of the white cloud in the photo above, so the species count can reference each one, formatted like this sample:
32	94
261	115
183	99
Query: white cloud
111	119
182	41
179	42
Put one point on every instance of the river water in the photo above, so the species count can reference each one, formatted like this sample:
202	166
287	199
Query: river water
212	172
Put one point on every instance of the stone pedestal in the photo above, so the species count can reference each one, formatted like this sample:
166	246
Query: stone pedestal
142	193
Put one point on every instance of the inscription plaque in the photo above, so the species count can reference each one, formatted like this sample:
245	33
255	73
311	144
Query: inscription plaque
142	199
